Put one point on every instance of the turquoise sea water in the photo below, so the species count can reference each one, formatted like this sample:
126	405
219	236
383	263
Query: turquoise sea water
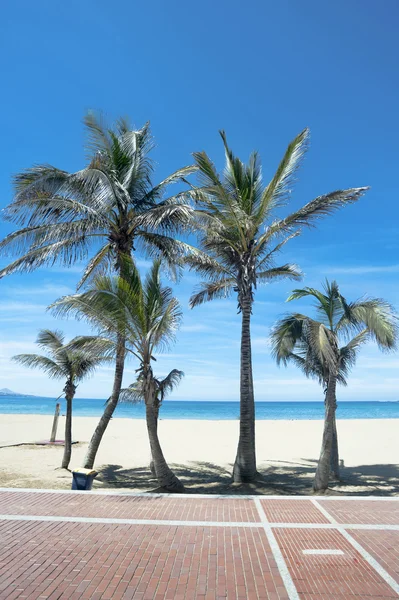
205	410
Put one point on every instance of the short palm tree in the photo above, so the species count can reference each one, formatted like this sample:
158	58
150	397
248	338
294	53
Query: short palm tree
60	362
147	315
138	392
110	207
315	345
239	239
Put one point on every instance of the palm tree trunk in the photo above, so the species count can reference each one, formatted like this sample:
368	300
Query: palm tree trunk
152	466
69	395
166	478
323	468
111	404
245	463
334	452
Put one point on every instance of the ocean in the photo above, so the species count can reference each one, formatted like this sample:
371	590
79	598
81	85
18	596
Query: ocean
83	407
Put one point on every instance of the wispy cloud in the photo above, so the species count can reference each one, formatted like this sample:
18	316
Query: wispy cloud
50	289
362	269
21	306
196	327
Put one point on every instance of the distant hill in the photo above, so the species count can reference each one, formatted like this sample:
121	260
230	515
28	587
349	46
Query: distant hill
7	392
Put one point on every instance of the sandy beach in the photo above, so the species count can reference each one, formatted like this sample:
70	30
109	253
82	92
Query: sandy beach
202	453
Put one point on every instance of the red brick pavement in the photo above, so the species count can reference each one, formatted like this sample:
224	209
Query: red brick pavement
92	561
383	546
329	576
366	512
128	507
292	511
62	560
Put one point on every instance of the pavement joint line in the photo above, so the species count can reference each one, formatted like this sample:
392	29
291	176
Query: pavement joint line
104	520
278	557
364	526
366	555
209	496
245	524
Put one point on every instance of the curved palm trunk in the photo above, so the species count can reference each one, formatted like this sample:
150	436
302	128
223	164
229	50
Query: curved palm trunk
110	407
324	465
152	466
166	478
245	463
334	467
69	390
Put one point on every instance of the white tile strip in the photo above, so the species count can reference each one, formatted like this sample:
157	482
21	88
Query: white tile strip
316	551
281	564
247	524
366	555
58	519
333	526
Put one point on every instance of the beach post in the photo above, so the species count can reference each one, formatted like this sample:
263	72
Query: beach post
55	422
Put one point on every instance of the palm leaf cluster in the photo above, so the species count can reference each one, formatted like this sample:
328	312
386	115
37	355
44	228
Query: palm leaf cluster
111	205
332	340
239	234
60	360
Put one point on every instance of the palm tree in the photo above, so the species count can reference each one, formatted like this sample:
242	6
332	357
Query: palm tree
315	346
62	363
147	315
239	239
110	206
138	392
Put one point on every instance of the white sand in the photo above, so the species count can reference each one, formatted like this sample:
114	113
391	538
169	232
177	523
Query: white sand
286	452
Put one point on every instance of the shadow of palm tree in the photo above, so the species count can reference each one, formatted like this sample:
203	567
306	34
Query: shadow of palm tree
280	478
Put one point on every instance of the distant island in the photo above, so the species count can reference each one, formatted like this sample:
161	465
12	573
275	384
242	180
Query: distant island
7	392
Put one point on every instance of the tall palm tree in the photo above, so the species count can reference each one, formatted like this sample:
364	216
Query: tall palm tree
110	207
239	240
148	316
316	346
138	392
60	362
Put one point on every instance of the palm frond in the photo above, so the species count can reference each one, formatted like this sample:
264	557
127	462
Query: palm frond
169	383
283	272
279	189
319	207
35	361
210	291
52	340
97	265
377	315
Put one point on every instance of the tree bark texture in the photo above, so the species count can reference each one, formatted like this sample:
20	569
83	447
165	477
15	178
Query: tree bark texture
110	407
335	474
165	476
245	463
324	465
70	390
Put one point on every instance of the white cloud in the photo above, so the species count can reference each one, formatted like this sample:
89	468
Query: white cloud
195	327
49	288
362	270
22	306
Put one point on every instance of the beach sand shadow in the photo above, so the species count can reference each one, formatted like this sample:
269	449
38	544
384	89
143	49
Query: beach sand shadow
278	478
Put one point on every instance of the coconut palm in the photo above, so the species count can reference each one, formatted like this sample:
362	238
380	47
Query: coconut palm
315	345
139	392
239	240
147	315
60	362
110	207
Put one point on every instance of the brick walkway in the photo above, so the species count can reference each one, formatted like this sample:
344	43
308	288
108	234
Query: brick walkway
93	545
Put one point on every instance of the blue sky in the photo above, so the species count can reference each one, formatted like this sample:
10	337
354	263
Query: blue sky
261	70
